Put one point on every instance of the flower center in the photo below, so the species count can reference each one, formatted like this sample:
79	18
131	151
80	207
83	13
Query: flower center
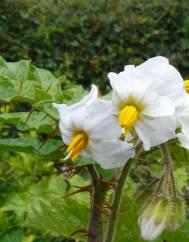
128	117
77	144
186	84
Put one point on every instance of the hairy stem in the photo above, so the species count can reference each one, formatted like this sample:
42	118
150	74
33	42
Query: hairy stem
95	229
116	202
112	221
169	170
166	156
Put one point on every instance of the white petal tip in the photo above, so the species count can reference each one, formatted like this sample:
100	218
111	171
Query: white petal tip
112	76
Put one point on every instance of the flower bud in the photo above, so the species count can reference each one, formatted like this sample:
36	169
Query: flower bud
159	214
153	219
176	214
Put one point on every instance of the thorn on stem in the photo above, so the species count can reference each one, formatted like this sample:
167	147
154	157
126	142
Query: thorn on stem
45	116
49	137
82	230
27	118
83	189
110	183
50	85
102	209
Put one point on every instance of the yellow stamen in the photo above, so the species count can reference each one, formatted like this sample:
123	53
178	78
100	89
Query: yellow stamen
186	84
77	144
128	117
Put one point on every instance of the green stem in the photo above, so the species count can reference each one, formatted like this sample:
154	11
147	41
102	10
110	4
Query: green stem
112	221
98	193
166	156
169	177
116	202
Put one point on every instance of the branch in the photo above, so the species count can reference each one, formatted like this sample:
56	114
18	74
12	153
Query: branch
117	197
97	199
116	202
169	171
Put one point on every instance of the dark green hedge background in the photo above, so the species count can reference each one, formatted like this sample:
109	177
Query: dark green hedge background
84	40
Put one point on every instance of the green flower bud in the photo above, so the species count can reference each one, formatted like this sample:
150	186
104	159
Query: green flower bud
152	221
176	214
159	214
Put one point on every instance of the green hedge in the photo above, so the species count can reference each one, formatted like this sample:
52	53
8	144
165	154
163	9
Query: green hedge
86	39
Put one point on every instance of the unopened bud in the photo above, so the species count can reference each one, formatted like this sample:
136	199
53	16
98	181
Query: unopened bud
153	219
160	214
176	214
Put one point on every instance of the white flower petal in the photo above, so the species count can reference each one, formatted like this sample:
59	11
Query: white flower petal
158	68
167	81
184	140
153	63
183	118
128	83
118	84
65	124
87	100
79	111
155	131
100	122
172	80
160	106
111	153
180	98
71	117
150	230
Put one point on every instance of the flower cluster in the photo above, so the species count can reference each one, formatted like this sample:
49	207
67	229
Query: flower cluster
149	106
148	103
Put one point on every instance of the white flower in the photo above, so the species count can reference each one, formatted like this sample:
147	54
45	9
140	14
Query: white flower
89	128
184	139
183	119
138	106
167	81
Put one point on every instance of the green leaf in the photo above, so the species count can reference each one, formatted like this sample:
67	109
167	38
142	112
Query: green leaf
7	90
181	176
107	174
45	208
37	121
81	161
181	235
185	227
73	93
47	82
15	70
22	82
30	145
46	107
15	235
179	154
14	81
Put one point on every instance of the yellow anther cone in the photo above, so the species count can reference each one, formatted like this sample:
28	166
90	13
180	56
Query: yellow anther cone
77	144
128	117
186	84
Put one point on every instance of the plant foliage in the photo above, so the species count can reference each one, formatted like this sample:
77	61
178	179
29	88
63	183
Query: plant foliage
39	199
